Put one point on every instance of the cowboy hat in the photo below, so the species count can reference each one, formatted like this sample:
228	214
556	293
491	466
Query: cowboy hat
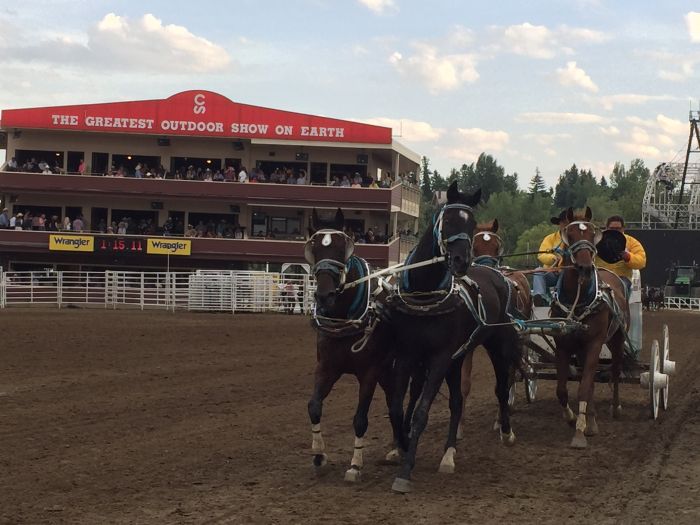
611	246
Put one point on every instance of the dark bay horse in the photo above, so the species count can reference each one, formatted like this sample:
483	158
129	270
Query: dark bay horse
437	315
341	318
487	248
595	297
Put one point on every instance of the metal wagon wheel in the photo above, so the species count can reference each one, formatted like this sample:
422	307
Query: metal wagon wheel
668	367
530	379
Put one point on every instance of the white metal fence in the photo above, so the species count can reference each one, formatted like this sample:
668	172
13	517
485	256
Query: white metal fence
220	291
204	290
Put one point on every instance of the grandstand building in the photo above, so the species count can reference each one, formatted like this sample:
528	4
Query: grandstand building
212	182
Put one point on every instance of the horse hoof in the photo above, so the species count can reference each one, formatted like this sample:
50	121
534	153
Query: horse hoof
402	486
320	460
616	411
591	429
508	439
393	456
579	441
447	463
353	474
446	468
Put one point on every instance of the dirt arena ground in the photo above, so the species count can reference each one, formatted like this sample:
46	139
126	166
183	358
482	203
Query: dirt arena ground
155	417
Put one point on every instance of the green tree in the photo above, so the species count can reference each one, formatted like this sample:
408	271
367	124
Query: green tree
437	182
529	241
426	188
537	184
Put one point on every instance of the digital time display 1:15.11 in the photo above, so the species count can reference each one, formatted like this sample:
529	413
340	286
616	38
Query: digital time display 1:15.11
119	245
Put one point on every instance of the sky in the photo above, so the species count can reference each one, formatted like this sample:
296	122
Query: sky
537	84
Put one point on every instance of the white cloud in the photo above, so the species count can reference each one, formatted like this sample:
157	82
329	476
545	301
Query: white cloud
409	130
141	44
437	72
551	117
150	44
530	41
692	20
536	41
551	152
672	126
379	6
545	139
653	139
637	150
572	75
583	34
630	99
472	142
610	131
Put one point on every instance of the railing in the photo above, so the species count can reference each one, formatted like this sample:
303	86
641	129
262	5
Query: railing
676	303
221	291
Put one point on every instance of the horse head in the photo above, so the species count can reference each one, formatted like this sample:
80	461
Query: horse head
454	227
581	236
328	250
485	242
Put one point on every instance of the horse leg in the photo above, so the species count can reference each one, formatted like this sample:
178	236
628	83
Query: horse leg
368	383
466	388
323	383
585	392
616	346
402	374
438	370
562	379
591	423
502	369
447	464
417	382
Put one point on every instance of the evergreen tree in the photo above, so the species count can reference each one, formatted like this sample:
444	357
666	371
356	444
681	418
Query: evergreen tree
426	187
437	182
537	183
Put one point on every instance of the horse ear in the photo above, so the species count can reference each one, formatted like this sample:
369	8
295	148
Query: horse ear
570	215
589	213
494	226
453	192
339	220
314	222
473	199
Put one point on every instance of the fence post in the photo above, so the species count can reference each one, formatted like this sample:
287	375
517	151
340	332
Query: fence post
59	289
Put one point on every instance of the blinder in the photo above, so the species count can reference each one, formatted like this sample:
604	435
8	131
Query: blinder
326	240
336	267
437	229
583	243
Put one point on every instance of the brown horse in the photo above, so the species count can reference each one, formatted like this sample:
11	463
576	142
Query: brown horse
596	298
487	248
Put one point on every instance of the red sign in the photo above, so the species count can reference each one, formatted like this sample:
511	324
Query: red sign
195	113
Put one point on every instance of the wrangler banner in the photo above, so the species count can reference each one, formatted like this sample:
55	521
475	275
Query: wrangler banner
168	246
72	243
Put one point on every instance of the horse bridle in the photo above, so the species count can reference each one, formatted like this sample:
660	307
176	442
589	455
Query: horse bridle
487	237
336	268
437	229
582	244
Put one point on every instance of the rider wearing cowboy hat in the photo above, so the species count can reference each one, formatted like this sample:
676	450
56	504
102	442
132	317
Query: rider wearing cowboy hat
618	255
553	248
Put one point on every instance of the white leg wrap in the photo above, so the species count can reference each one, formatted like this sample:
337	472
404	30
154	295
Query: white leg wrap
317	444
581	420
357	453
